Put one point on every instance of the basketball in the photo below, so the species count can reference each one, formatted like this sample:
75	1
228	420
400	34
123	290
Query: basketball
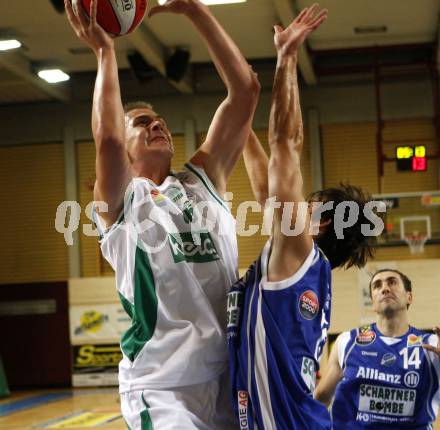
117	17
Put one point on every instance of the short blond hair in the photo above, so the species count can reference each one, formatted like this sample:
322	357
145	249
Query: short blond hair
137	105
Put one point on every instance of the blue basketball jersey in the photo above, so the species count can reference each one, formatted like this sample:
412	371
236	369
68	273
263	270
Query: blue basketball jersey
276	333
388	383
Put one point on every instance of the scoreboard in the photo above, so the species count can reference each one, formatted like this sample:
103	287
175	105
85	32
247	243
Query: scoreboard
411	158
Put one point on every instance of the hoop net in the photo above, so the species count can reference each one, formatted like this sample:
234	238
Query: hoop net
416	242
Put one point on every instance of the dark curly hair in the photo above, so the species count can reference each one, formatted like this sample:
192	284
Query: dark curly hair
354	249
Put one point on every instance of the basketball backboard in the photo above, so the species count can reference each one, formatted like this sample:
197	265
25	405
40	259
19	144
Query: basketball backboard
408	215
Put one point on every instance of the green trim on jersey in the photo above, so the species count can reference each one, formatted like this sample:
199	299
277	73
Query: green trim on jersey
119	221
146	423
210	188
97	223
143	313
128	307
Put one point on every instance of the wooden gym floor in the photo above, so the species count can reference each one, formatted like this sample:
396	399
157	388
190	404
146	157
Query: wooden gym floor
72	409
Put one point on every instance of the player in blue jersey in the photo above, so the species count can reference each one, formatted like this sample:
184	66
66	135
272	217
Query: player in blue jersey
279	313
386	375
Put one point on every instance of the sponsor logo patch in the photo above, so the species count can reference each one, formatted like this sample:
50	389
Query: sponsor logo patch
308	373
174	194
411	379
233	312
366	336
389	401
363	417
308	305
414	340
243	400
370	353
375	374
157	196
388	359
184	248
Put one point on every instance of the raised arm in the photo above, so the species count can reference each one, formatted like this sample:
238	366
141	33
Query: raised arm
326	388
256	162
286	143
231	124
113	172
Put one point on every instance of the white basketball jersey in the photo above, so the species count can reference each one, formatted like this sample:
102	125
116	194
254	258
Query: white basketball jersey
174	252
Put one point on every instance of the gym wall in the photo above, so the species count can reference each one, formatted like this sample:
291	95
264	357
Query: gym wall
349	153
31	188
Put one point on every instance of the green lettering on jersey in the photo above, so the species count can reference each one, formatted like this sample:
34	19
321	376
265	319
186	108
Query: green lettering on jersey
184	247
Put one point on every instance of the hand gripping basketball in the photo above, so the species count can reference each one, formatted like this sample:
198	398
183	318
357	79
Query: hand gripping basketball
116	18
88	29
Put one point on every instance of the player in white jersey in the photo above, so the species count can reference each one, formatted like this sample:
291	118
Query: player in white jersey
384	375
172	269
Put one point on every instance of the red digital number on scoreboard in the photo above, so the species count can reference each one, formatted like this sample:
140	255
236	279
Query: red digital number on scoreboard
419	164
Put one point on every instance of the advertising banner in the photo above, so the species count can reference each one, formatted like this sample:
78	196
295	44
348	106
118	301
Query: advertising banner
95	365
89	323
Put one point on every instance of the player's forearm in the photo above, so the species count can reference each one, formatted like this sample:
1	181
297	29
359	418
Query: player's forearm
108	114
299	131
323	396
285	124
256	162
230	63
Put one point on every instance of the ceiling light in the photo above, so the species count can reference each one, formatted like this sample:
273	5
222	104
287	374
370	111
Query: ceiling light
371	29
53	75
6	45
212	2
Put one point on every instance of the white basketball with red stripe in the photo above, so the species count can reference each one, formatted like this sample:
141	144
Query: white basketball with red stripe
118	17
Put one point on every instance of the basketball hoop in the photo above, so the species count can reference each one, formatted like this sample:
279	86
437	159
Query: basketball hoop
416	242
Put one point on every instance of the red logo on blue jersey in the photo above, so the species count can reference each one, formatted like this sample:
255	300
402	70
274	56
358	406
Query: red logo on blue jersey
308	305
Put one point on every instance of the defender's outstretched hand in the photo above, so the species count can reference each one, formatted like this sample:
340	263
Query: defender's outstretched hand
434	349
88	29
288	40
174	6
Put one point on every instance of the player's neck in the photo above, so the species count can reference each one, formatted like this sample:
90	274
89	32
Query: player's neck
157	173
395	325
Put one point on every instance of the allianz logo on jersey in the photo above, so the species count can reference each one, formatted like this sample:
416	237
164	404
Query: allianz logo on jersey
192	247
369	373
